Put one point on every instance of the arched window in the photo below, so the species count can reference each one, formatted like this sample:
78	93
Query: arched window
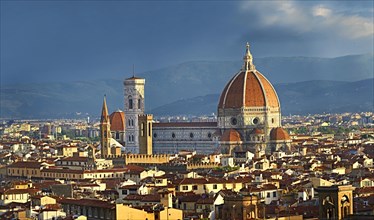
139	103
130	102
129	121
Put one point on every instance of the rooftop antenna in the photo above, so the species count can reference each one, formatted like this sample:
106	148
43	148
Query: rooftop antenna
133	70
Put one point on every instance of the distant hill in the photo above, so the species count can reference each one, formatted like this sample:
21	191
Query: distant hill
296	98
184	82
61	100
192	79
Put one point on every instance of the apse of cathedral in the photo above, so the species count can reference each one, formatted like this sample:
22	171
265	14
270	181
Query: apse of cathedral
249	119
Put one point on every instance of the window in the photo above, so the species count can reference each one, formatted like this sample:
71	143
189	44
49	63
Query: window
155	135
274	194
255	121
142	129
130	103
194	187
184	187
173	135
234	121
139	103
191	135
215	186
268	195
209	135
149	129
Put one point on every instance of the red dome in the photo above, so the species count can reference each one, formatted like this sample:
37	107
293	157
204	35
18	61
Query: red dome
257	131
117	121
231	135
248	88
279	133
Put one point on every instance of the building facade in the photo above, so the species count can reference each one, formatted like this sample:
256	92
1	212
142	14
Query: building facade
175	136
134	106
249	119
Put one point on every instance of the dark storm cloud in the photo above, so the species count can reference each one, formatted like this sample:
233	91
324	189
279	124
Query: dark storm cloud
310	28
58	41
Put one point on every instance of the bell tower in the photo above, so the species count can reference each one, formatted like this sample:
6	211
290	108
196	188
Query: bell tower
134	106
105	131
335	202
145	134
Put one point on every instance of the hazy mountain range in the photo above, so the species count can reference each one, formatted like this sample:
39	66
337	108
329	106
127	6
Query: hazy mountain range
304	85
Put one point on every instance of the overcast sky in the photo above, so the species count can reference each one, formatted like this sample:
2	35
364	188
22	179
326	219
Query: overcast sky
44	41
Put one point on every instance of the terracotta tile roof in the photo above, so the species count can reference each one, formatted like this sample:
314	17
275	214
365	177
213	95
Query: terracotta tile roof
89	202
231	135
268	187
117	121
257	131
19	191
279	134
193	181
25	164
124	170
59	170
208	200
248	89
189	198
151	198
79	159
134	168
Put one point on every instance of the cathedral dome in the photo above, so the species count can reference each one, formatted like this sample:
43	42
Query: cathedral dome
231	135
117	121
248	88
277	134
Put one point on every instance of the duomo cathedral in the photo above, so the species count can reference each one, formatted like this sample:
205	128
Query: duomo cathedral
248	119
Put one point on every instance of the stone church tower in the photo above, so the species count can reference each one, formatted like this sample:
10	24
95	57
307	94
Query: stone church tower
105	134
145	134
335	202
134	106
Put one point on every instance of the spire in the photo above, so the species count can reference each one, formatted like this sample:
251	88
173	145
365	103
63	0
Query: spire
133	70
248	59
104	112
